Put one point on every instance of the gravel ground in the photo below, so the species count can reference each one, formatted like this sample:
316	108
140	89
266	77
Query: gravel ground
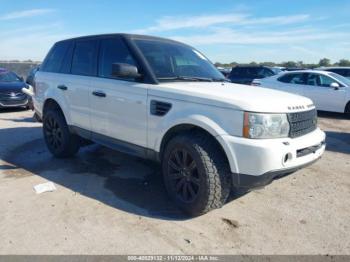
110	203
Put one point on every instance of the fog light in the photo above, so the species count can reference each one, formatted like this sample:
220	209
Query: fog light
288	157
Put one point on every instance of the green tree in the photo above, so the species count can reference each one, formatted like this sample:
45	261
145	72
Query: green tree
324	62
344	62
289	64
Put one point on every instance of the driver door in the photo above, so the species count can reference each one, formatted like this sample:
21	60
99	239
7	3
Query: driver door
318	89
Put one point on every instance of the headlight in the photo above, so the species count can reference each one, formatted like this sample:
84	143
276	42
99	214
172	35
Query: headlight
260	126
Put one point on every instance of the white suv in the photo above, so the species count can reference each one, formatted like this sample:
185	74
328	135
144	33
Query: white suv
163	100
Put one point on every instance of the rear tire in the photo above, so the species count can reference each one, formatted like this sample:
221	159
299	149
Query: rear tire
59	140
196	173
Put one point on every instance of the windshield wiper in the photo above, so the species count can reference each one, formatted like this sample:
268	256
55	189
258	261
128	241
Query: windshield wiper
187	78
221	80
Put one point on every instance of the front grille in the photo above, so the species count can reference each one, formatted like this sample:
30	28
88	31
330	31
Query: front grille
12	95
302	123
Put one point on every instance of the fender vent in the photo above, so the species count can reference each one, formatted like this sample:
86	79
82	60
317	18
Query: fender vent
159	108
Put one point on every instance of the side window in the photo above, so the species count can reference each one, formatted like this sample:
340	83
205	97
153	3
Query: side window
53	61
255	72
325	81
268	72
319	80
238	71
67	61
313	80
285	78
113	50
84	58
292	79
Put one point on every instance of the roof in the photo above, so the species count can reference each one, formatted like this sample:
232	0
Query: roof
130	36
309	71
333	67
252	66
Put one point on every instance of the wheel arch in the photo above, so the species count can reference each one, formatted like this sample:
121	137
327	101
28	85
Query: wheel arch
187	127
51	103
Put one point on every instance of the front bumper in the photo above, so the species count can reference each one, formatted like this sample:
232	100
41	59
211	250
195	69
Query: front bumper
14	102
256	162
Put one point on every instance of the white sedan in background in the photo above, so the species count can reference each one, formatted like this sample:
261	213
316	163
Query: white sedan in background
329	91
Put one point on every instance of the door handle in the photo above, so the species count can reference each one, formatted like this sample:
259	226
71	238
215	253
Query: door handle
99	94
62	87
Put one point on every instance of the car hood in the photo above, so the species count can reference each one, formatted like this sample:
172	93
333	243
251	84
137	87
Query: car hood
11	86
235	96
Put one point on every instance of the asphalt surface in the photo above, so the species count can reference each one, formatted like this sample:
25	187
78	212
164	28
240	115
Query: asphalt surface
110	203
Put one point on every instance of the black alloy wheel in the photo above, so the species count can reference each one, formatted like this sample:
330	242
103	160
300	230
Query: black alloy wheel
183	173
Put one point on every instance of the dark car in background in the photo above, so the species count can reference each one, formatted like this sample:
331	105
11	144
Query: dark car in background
224	71
246	74
31	75
343	71
11	94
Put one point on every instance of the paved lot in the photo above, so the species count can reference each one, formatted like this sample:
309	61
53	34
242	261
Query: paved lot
110	203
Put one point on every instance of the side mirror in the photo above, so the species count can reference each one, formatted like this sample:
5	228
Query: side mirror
21	78
335	85
125	71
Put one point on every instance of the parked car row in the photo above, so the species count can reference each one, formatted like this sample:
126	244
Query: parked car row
328	87
246	74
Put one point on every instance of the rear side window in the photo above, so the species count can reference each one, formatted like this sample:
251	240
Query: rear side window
268	72
85	58
53	61
238	71
67	61
113	50
298	79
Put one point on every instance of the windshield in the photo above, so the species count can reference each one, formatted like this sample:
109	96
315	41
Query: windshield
276	70
172	61
9	77
340	78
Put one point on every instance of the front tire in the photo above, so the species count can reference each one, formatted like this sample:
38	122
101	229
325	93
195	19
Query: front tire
60	142
196	173
347	110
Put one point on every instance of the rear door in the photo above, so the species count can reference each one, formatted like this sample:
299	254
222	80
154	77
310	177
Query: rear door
118	106
77	85
69	87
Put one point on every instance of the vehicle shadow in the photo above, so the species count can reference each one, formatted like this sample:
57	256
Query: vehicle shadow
124	182
121	181
12	109
338	142
331	115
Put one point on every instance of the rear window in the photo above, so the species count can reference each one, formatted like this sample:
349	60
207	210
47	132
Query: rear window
85	58
238	71
54	60
250	72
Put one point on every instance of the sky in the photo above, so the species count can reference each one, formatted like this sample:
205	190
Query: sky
225	30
